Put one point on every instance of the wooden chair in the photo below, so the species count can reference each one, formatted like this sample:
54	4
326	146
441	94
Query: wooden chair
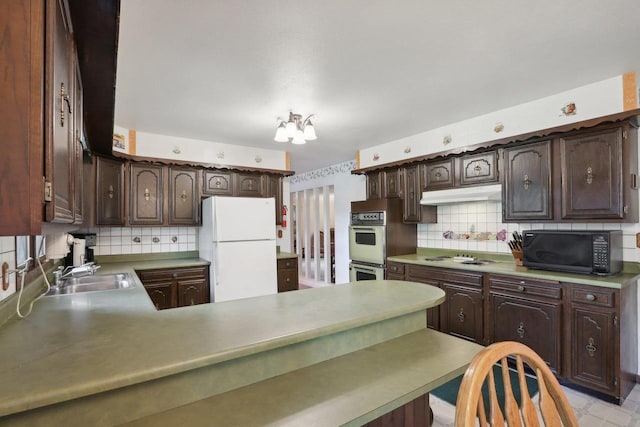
553	408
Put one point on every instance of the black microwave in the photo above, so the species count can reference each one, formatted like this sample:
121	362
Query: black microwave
585	252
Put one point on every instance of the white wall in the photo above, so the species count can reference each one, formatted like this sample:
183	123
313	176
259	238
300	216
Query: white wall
8	255
347	188
173	147
594	100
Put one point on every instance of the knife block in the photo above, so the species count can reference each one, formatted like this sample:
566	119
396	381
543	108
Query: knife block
517	255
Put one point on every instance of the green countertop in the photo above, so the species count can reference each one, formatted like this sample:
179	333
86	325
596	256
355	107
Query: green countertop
286	255
78	345
502	266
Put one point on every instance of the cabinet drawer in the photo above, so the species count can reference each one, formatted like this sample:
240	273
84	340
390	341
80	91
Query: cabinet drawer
288	264
439	175
479	168
148	276
287	280
395	268
593	296
446	275
522	286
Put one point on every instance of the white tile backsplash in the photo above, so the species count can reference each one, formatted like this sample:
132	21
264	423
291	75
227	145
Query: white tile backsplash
120	240
487	217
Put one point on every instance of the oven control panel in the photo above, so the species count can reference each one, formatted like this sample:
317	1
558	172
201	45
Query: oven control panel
368	218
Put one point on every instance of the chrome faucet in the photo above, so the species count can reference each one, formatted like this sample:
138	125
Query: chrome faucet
63	273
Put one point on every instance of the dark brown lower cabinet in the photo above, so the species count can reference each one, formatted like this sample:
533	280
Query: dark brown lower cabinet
416	413
462	314
176	287
587	335
287	274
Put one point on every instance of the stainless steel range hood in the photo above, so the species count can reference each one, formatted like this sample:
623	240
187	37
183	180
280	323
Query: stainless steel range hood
463	194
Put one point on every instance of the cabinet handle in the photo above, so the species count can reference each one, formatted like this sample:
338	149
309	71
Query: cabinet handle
192	303
590	297
288	279
184	196
438	175
64	98
526	182
477	169
520	288
589	175
175	275
520	330
147	194
461	316
218	183
110	192
591	349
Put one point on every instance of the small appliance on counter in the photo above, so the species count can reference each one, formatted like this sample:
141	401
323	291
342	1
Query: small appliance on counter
81	249
585	252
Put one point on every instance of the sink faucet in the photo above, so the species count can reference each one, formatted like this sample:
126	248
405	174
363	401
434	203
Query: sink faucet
63	273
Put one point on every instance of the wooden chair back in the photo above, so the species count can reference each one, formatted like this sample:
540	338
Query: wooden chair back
552	409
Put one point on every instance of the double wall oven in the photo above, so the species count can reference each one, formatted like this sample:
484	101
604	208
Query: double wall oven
376	232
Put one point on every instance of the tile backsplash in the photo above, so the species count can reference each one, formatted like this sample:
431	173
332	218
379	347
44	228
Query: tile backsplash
8	255
481	221
143	240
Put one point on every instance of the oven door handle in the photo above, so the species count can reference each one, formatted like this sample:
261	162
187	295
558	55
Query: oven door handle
363	229
368	270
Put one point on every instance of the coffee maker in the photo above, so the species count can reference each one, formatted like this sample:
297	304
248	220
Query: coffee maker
81	249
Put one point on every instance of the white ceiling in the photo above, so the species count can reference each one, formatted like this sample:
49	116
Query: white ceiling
370	70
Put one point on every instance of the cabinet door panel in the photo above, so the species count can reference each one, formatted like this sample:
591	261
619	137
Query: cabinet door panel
593	349
248	185
192	292
479	168
60	152
392	183
217	183
184	199
109	192
161	295
533	323
146	194
77	172
439	175
411	202
591	167
274	189
526	192
461	315
374	185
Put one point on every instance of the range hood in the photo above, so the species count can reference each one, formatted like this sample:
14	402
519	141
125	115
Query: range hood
463	194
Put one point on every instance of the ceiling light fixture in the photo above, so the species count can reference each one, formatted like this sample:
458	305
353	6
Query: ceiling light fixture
296	130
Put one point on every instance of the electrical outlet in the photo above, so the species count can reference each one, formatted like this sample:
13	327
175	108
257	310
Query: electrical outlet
637	240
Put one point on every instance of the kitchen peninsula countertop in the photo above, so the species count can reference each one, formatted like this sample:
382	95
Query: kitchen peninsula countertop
505	265
96	343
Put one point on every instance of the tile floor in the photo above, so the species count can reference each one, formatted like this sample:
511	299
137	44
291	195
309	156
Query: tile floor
591	412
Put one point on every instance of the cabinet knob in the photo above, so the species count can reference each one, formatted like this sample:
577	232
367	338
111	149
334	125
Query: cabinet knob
477	170
590	297
175	275
461	316
526	182
147	194
520	288
184	196
591	348
287	279
521	330
110	192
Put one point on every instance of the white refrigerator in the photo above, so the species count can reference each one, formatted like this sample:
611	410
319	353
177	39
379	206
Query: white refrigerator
238	237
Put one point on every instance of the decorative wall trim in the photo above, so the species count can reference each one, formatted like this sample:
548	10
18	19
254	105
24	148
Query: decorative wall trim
340	168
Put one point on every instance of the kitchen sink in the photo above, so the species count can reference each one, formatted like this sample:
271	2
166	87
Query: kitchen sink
107	282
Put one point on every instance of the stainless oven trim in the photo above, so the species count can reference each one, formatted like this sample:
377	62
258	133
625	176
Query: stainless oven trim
379	256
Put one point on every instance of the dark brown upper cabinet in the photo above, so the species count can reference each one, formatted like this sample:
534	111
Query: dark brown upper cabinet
412	211
591	165
184	196
392	183
374	185
109	192
146	194
526	191
274	189
217	183
479	168
60	154
248	185
439	175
